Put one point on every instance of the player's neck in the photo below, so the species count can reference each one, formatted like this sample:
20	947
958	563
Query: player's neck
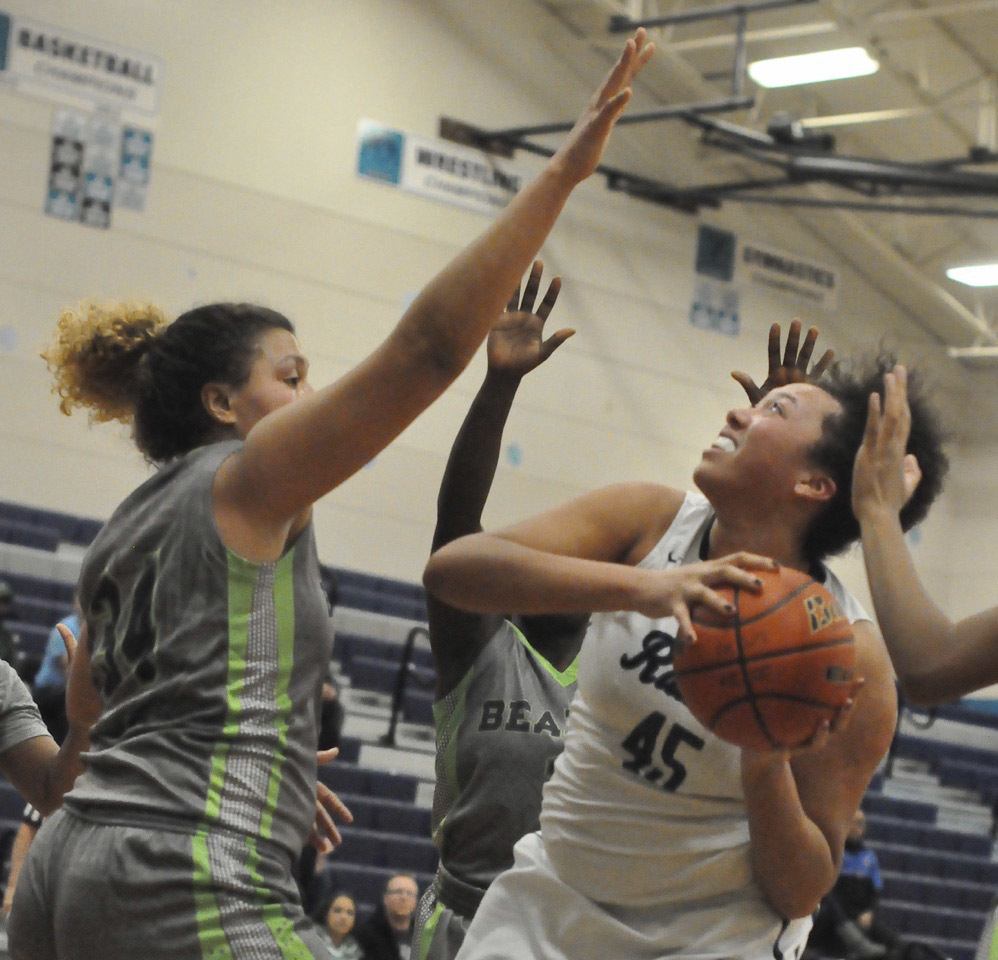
779	540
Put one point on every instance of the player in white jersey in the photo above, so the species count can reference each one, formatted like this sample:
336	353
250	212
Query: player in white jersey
937	659
658	839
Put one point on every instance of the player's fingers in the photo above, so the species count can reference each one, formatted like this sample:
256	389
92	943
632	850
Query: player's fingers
774	346
530	290
331	802
793	339
685	633
807	348
753	393
822	365
325	756
550	298
514	301
68	640
554	341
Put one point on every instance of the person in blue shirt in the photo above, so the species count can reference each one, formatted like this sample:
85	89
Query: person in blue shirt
847	924
49	686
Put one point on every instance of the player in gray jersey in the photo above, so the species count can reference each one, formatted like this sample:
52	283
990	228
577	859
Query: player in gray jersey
657	837
203	600
503	687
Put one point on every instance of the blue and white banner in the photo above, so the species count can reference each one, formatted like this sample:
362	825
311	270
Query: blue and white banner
54	62
436	169
791	273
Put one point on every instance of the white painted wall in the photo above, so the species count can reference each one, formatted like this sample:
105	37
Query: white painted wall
253	197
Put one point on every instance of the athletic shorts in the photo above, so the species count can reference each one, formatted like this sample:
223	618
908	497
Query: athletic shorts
530	913
120	892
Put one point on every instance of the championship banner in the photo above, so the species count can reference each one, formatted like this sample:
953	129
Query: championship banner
789	272
436	169
53	62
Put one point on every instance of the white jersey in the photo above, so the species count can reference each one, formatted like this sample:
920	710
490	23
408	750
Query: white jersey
645	806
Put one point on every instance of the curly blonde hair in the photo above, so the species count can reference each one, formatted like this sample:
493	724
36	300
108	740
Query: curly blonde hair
95	353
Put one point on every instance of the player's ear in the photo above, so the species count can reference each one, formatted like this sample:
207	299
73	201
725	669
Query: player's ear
816	486
215	397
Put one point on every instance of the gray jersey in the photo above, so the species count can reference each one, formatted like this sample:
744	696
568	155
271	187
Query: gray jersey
210	669
19	717
498	733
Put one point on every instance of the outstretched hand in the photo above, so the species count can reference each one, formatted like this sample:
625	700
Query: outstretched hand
580	154
324	835
675	592
792	368
884	476
83	702
516	343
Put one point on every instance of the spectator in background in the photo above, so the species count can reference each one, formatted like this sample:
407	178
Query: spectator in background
387	933
31	820
847	924
49	686
8	639
338	918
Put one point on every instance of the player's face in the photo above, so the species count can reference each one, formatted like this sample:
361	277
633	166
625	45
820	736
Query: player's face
278	376
763	451
341	916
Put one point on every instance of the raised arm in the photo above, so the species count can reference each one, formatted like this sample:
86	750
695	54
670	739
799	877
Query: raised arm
307	448
800	806
515	347
581	557
936	659
41	770
792	368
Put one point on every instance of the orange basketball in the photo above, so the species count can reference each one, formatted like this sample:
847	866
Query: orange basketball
767	677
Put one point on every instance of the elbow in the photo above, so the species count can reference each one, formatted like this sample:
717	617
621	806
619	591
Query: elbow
438	575
793	904
921	691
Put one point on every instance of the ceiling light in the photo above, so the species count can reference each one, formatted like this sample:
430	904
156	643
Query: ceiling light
981	275
813	67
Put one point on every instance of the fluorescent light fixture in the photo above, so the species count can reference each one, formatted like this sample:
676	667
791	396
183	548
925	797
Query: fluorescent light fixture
980	275
813	67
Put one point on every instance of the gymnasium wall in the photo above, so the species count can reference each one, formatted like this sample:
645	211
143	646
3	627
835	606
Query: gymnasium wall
254	197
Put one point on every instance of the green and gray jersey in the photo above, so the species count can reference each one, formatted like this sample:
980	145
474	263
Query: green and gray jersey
209	666
498	732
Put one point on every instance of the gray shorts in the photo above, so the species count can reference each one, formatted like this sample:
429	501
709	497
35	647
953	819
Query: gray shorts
122	892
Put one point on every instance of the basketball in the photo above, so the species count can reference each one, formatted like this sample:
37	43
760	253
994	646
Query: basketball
767	677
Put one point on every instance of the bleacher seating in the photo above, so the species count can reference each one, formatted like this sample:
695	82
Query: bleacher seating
938	882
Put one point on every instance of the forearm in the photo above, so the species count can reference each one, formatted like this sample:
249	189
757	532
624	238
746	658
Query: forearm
791	859
61	770
451	316
473	459
484	573
919	636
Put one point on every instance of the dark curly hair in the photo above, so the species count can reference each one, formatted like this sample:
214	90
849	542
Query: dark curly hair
835	528
125	362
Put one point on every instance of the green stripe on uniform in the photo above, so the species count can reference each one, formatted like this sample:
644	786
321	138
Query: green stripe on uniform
241	584
281	928
429	928
284	607
565	677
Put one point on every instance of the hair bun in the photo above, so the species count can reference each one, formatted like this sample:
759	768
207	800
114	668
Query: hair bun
95	355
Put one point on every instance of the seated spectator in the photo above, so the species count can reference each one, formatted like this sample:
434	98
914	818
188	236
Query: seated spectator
8	639
846	924
31	820
387	933
337	919
49	686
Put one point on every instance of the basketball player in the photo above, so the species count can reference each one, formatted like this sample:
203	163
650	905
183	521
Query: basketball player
40	769
936	659
503	685
657	838
203	599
